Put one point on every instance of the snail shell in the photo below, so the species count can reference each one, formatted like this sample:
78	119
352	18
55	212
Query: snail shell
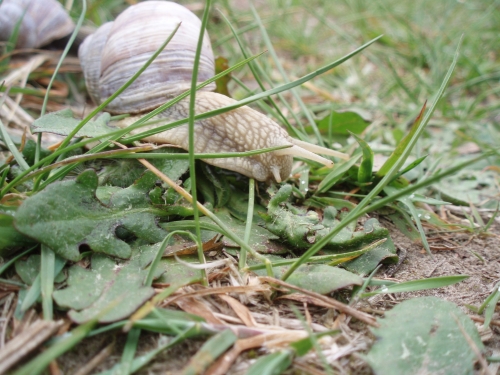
119	49
44	21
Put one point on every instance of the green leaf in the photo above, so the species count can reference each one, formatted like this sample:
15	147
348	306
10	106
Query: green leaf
124	172
67	214
29	152
29	269
479	187
423	336
319	278
342	123
62	122
366	166
179	273
385	252
261	239
216	182
302	229
238	207
272	364
91	291
10	239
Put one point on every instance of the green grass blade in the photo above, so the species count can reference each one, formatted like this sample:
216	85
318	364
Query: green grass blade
135	155
32	294
491	305
488	299
257	76
416	285
402	146
129	351
12	147
390	191
337	172
366	165
248	226
358	211
63	55
9	263
161	251
409	167
47	270
5	172
191	140
330	259
278	64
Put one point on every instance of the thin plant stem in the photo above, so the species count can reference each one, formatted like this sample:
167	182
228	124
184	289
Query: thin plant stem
248	227
47	269
191	140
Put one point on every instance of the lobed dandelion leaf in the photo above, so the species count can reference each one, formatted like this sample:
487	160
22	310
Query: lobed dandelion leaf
110	290
67	215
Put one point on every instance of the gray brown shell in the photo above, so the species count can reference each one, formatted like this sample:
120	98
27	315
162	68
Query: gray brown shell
44	21
117	50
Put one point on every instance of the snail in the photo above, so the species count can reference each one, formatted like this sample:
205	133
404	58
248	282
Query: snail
118	49
41	22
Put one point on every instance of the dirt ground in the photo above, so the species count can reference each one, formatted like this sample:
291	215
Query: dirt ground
466	254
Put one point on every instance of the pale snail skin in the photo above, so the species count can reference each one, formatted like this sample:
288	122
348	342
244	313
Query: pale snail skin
239	130
44	21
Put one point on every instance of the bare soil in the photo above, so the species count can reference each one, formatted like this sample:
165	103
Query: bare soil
468	254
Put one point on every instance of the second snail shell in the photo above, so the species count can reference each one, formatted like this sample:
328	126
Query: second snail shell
119	49
41	22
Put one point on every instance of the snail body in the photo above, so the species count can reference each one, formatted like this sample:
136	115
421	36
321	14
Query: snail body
118	49
42	21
